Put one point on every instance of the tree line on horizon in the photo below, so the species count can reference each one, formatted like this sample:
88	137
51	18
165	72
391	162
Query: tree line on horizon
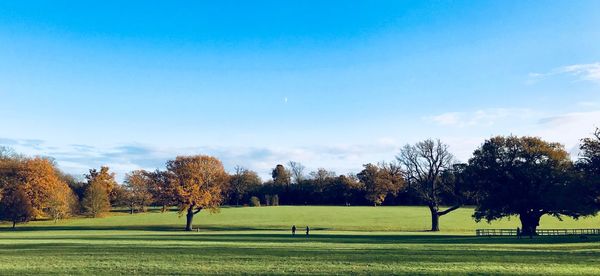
506	176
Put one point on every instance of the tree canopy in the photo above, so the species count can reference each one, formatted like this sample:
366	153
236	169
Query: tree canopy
138	185
527	177
297	172
424	165
381	181
241	182
36	184
589	163
104	178
281	176
15	205
198	182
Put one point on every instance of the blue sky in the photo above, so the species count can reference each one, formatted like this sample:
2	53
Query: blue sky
335	84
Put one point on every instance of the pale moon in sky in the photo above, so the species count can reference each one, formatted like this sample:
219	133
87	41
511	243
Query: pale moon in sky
285	99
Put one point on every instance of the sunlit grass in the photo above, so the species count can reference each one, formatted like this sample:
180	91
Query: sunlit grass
360	240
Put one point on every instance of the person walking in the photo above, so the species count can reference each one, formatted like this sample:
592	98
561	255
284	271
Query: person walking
293	230
307	231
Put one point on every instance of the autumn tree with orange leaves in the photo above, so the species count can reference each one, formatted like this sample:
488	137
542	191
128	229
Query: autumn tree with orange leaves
32	188
104	178
198	183
49	195
100	192
138	185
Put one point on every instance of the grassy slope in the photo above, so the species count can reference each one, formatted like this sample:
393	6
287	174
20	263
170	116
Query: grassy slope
255	240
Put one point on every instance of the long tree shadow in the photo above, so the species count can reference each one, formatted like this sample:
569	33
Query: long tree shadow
156	228
79	228
277	235
376	239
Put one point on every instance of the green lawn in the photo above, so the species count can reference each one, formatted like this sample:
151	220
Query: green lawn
345	240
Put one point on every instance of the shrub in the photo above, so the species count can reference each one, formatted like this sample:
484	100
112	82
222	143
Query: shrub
254	202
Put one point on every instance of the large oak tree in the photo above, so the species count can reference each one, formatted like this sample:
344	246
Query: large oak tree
425	165
526	177
198	183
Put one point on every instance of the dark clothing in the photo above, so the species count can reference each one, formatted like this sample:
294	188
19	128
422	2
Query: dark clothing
294	230
307	231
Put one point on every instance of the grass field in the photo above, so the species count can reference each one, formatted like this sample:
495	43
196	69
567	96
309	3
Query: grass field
345	240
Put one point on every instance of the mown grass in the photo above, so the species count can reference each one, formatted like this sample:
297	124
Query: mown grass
345	240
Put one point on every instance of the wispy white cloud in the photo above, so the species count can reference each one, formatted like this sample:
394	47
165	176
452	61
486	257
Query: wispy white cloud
588	104
572	119
590	72
584	72
478	118
569	128
78	159
447	119
566	128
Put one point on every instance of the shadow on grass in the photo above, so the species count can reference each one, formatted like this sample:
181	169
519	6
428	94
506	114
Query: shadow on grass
217	253
157	228
232	234
137	212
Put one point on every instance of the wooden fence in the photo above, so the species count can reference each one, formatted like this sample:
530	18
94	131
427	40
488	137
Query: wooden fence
539	232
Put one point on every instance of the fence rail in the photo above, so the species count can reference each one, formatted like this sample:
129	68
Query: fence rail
539	232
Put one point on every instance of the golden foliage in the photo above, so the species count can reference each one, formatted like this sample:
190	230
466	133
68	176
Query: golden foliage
105	179
197	181
95	201
48	194
139	184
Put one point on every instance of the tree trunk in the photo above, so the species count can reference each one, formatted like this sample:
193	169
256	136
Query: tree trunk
164	209
435	219
14	224
529	223
189	217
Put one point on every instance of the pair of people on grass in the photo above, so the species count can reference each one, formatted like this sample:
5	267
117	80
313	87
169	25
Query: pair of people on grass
294	230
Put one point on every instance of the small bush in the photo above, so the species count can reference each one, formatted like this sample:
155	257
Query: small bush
254	202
